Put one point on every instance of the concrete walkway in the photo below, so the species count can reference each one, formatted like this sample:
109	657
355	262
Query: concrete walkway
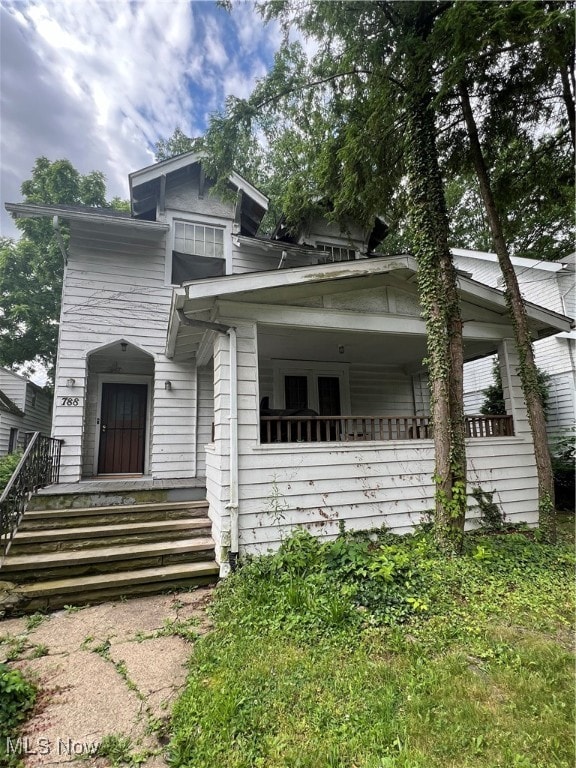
108	675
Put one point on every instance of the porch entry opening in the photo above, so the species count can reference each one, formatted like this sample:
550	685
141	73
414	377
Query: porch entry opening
122	429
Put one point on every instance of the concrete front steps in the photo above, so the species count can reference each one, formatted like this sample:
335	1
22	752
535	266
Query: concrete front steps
78	555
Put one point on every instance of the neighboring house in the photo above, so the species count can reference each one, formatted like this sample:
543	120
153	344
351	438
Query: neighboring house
550	284
285	376
24	407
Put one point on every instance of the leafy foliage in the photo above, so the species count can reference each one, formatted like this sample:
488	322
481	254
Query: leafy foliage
8	464
31	269
494	394
17	697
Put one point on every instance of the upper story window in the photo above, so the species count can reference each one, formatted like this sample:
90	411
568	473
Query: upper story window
336	252
198	252
198	239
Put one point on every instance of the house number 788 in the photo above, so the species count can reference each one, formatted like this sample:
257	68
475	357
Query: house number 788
70	400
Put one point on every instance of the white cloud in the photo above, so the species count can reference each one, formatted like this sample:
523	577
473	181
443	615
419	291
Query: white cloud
100	82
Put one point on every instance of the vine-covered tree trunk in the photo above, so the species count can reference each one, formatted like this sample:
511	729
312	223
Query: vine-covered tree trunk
528	371
440	301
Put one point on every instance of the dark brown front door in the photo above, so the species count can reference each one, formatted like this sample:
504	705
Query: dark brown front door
122	429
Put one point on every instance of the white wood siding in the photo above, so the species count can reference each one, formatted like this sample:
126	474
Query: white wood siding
173	451
114	289
252	259
33	401
37	411
549	289
318	486
10	421
14	387
561	405
380	390
205	416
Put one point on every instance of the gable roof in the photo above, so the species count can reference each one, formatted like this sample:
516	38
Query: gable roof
8	406
147	184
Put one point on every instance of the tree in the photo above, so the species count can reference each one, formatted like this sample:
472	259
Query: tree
503	36
352	122
176	144
31	269
494	394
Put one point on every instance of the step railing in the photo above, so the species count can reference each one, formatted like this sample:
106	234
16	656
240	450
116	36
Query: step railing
38	467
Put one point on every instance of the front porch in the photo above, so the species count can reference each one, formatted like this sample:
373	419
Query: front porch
321	404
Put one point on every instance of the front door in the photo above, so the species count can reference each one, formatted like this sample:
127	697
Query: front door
122	429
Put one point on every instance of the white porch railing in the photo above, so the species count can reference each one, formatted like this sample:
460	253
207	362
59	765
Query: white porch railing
318	429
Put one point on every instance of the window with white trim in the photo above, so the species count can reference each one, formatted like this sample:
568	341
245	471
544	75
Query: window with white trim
198	239
198	252
324	388
336	252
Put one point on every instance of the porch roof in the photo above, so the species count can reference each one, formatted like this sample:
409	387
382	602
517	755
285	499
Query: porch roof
284	287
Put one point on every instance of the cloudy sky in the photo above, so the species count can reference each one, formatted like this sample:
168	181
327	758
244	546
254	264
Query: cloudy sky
100	81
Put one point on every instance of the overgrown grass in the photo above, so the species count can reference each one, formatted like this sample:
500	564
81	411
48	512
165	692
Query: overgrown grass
376	652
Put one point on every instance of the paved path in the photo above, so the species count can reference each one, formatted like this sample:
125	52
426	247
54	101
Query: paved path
107	675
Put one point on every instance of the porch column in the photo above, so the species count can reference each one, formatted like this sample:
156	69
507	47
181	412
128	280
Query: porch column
509	363
218	459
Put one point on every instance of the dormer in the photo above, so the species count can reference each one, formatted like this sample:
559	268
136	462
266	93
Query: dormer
335	242
178	192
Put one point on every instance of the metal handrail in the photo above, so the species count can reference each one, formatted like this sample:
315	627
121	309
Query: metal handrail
38	467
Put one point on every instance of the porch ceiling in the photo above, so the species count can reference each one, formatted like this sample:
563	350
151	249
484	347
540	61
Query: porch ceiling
405	352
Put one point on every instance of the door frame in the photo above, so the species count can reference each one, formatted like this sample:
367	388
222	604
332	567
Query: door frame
124	378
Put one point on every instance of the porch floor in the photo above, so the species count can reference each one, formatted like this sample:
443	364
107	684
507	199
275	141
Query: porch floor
95	485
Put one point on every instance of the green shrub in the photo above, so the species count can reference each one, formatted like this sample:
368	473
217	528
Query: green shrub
564	466
7	466
17	697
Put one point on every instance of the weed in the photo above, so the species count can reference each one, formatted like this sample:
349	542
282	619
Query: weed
34	621
179	628
17	645
39	651
74	608
491	516
102	649
117	748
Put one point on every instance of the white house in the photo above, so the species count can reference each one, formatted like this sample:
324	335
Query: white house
24	407
284	377
550	284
